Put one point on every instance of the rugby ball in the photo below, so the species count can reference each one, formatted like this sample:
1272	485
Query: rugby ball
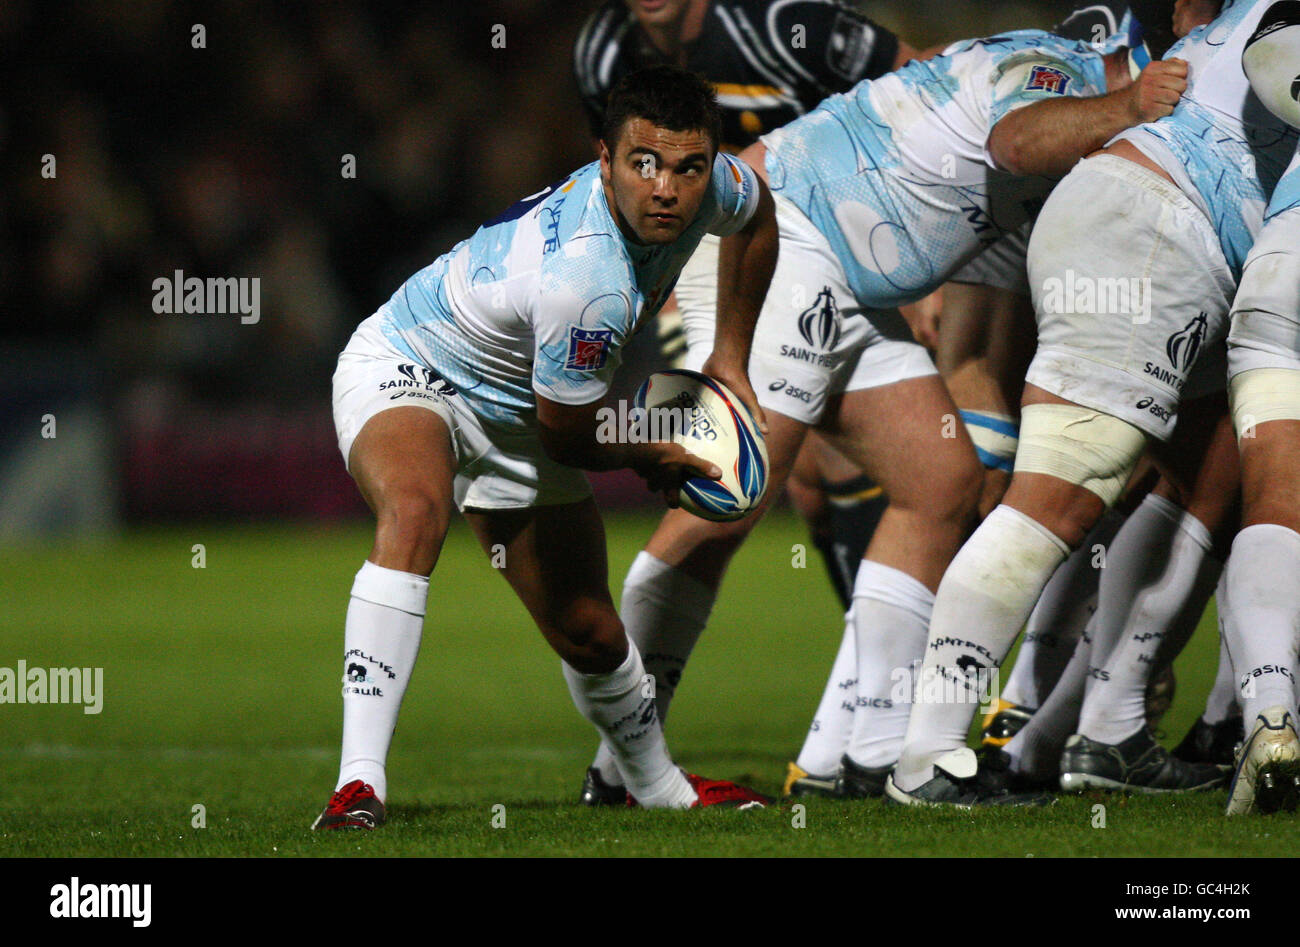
707	419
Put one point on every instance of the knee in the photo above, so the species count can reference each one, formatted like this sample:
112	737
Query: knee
949	493
593	638
410	528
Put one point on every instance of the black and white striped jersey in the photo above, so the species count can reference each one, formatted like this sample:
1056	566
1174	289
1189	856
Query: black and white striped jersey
770	60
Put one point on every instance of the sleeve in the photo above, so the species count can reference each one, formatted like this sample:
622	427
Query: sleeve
735	194
1024	80
578	348
1286	195
829	44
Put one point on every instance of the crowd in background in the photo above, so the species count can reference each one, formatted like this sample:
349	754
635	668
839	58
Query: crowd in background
211	138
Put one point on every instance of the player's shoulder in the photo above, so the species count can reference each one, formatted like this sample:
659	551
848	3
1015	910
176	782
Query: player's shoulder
1025	46
1228	32
576	228
605	29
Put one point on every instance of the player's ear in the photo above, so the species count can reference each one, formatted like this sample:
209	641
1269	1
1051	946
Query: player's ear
606	159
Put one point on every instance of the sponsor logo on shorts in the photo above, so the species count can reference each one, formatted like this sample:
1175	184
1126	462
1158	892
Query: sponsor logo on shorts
1173	379
416	378
819	324
1047	79
588	349
1154	407
1184	345
808	355
793	391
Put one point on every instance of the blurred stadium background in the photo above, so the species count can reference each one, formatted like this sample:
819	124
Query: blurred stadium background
226	161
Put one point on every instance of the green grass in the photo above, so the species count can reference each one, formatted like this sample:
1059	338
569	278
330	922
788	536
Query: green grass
221	690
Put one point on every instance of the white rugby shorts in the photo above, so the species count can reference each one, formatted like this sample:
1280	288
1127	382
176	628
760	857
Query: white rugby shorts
1131	293
813	340
495	469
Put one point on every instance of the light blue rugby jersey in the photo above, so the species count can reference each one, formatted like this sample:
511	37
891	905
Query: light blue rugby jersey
1221	145
896	174
543	297
1286	196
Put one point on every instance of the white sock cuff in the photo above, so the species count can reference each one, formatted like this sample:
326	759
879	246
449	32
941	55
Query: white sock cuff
403	591
1196	531
1002	511
1162	506
609	685
1283	534
1185	521
669	586
892	586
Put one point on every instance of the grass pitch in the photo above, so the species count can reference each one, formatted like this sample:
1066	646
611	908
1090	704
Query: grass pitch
221	690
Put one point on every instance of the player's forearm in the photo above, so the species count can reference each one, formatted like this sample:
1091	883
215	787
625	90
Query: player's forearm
1050	137
582	436
746	261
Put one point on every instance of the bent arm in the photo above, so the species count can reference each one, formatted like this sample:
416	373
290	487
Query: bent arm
1050	137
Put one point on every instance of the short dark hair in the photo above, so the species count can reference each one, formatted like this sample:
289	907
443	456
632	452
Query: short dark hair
666	96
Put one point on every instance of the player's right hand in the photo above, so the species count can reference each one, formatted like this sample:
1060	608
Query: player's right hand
1157	90
666	465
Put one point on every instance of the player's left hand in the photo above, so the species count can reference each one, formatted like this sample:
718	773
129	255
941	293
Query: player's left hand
738	381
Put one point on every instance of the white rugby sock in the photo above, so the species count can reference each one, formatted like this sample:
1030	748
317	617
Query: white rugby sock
832	725
664	611
1163	554
618	704
892	619
1221	702
1263	620
1064	608
1036	749
380	640
982	603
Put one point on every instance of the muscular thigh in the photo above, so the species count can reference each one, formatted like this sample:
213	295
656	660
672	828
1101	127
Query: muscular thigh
907	436
403	450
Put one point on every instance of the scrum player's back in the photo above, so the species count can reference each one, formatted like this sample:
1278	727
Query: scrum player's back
1221	145
896	173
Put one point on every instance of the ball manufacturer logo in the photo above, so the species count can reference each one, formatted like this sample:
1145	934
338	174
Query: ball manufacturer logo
819	324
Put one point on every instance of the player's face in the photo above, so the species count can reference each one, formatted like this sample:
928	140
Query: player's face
656	179
658	12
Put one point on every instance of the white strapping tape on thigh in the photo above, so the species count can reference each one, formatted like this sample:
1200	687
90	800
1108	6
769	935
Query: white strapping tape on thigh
1264	394
1081	446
